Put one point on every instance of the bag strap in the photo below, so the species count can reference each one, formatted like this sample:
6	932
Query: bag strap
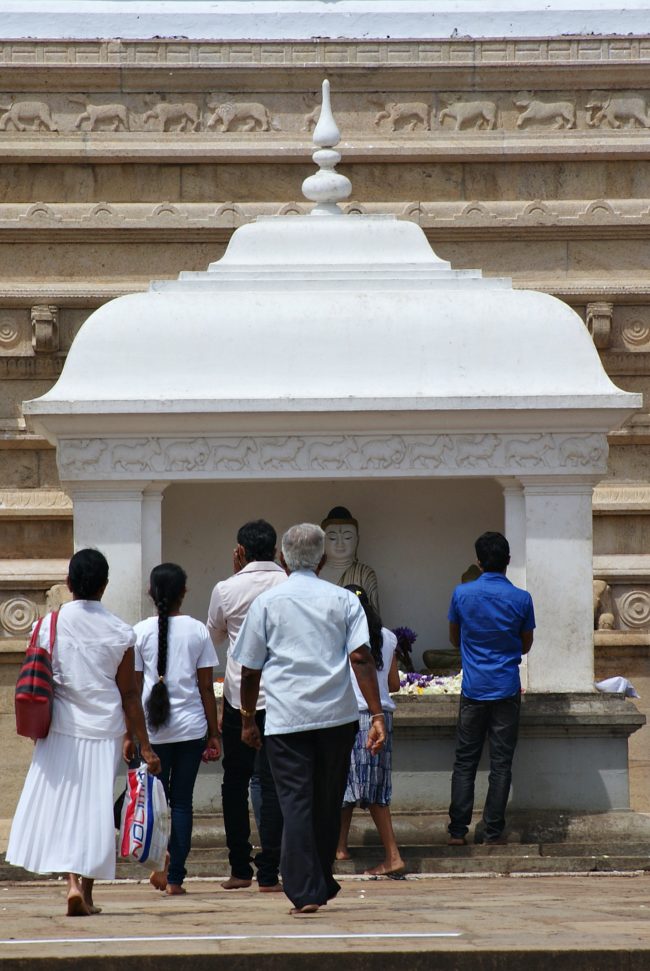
53	621
34	638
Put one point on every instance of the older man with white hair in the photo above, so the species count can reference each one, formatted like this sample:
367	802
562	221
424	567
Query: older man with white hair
304	634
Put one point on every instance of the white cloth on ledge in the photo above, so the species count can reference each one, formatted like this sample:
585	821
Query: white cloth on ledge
618	685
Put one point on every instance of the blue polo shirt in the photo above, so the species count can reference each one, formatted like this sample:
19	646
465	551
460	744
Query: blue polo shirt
492	614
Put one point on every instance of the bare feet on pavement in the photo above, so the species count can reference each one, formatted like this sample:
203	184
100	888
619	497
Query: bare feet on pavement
276	888
77	905
306	909
386	868
158	878
343	855
234	883
175	890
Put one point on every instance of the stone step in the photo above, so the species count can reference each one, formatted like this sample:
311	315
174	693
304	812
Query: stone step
537	843
513	858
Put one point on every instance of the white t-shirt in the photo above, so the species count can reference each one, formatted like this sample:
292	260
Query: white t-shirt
89	647
188	648
389	643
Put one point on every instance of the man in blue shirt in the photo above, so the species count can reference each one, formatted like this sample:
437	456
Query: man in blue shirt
492	622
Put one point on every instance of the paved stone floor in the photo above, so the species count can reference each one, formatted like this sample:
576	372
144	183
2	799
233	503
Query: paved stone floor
573	922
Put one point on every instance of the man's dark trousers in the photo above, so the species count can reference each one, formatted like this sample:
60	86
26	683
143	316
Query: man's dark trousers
310	771
498	721
239	763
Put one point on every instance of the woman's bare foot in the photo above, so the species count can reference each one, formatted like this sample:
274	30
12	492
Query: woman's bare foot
158	878
386	868
234	883
343	854
306	909
276	888
87	894
76	904
175	890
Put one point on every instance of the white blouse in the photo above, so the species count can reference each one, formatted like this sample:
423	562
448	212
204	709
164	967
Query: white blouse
189	648
89	647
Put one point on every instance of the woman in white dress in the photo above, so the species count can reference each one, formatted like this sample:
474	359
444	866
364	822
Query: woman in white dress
64	819
174	658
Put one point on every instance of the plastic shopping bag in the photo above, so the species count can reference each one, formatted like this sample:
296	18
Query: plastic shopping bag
144	831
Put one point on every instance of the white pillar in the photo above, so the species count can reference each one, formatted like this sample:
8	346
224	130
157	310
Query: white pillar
121	522
559	577
515	531
151	539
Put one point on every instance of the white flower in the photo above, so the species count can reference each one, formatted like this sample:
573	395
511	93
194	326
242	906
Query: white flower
435	685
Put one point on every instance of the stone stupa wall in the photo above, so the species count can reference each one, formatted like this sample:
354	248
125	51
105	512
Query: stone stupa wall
125	161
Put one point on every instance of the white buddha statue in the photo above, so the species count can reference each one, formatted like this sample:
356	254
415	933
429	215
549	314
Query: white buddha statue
342	566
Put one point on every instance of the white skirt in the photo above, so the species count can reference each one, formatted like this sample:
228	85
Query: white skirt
64	819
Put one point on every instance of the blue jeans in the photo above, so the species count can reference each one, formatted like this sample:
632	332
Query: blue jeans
180	763
498	721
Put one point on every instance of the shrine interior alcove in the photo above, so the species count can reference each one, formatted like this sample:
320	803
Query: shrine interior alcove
417	534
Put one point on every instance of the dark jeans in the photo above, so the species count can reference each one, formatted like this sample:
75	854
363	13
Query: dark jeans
240	761
180	763
499	722
310	771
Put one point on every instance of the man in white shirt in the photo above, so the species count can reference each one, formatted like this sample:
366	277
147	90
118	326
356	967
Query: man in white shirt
304	635
255	572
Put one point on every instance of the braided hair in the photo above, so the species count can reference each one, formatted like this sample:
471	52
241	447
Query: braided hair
374	624
166	586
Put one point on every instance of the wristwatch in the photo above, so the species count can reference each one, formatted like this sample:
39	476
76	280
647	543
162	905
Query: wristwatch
247	714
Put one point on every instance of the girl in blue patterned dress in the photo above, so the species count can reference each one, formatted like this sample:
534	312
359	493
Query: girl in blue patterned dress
369	780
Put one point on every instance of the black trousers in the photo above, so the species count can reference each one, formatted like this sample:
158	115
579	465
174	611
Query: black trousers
498	721
240	761
310	771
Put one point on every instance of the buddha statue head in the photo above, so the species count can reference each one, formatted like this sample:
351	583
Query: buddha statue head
341	537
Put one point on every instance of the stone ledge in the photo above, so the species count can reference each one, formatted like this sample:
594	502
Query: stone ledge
631	640
34	504
438	145
542	715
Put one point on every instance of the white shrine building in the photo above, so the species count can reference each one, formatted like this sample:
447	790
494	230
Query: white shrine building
334	359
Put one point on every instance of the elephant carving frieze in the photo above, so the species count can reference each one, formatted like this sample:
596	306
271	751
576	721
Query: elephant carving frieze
321	455
423	114
616	111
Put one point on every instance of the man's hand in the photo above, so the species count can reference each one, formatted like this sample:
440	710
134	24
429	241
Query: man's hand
376	736
250	733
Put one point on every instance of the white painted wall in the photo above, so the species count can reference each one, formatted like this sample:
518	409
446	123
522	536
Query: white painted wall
307	19
418	535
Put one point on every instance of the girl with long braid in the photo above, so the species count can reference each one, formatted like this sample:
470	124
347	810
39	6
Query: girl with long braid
369	780
174	656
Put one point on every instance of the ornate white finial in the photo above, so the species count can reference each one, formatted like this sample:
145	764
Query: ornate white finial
326	187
